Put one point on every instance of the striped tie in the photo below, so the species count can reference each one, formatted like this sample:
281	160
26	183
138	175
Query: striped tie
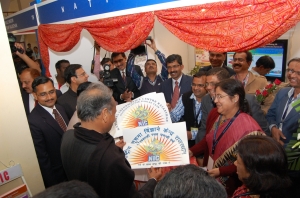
123	76
60	120
175	96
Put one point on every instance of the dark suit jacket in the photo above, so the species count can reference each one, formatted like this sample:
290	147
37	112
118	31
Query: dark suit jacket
47	135
167	88
257	114
207	68
121	86
25	98
290	123
68	101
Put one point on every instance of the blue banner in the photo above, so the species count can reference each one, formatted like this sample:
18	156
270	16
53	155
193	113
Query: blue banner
23	20
62	10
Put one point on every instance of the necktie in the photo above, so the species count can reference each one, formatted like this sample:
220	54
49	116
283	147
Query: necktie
123	76
59	120
175	95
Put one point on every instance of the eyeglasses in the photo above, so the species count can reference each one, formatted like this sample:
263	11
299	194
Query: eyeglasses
173	67
291	71
239	60
83	74
198	85
210	83
218	96
43	94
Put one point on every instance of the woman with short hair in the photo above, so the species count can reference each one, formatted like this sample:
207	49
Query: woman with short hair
262	167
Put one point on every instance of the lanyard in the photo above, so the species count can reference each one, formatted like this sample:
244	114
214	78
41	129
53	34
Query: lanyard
196	116
287	107
216	141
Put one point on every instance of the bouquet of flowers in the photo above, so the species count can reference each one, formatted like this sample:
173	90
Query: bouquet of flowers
261	95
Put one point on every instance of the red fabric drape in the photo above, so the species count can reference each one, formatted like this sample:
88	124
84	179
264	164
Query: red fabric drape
231	25
223	26
117	34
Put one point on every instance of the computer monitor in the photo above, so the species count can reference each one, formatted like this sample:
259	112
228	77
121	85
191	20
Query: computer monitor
277	50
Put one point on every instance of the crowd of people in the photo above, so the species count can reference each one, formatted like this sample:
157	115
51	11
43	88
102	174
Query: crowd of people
238	142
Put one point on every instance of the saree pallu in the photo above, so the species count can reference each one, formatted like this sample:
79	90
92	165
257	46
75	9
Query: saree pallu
225	151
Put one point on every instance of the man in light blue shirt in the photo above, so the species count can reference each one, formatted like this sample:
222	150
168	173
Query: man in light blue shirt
188	107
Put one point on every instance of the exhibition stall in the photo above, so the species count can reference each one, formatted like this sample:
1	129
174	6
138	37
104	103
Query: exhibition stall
119	25
216	26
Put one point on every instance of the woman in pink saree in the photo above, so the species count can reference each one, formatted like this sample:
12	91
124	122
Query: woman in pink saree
226	125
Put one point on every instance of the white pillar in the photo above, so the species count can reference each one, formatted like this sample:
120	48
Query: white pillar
15	139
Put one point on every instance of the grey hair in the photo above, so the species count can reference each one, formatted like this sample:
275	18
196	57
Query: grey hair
187	182
93	100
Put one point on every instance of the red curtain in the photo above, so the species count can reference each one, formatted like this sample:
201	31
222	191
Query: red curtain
231	25
223	26
117	34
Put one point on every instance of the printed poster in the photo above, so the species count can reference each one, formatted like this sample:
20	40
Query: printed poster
149	109
140	60
202	57
157	146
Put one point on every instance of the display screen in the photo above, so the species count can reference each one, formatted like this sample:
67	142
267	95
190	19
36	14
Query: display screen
277	50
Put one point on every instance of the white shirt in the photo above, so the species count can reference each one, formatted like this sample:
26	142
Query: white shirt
50	110
121	72
36	55
31	102
173	82
63	88
290	93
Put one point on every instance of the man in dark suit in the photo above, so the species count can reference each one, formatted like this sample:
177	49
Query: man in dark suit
74	76
282	115
284	118
47	123
178	80
26	78
124	90
217	59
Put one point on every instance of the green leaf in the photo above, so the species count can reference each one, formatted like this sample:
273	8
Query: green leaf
292	159
296	154
297	102
297	109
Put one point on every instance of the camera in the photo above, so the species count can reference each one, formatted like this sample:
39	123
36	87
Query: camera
141	49
12	40
105	75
